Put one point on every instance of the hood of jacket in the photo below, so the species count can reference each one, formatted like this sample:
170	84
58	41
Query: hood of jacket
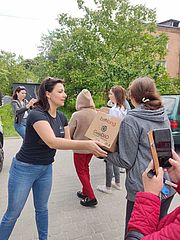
84	100
158	115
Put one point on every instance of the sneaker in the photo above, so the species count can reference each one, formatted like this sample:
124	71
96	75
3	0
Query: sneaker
81	195
116	185
122	170
88	202
104	189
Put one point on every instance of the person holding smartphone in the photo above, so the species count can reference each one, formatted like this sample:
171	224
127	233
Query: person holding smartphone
144	222
134	150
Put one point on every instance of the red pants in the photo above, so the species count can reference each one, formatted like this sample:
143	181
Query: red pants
81	162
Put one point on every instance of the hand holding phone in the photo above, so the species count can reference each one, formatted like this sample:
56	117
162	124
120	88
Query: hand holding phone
174	171
152	184
161	149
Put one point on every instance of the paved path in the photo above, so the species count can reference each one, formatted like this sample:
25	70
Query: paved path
68	220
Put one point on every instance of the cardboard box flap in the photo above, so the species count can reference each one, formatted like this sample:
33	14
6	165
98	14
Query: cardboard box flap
104	109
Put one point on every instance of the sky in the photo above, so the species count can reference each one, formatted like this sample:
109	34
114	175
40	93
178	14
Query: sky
23	22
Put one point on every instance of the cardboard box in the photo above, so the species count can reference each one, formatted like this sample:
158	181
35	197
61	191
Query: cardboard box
104	109
104	128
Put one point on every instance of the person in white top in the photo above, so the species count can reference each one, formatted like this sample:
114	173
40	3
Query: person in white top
117	96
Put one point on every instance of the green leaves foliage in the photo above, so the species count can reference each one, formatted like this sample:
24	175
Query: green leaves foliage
111	44
12	69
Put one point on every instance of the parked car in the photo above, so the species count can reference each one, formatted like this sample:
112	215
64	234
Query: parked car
1	146
172	106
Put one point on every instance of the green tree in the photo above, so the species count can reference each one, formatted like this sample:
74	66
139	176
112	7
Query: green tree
12	70
38	66
110	45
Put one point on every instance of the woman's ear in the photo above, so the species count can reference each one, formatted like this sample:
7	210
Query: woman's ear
48	95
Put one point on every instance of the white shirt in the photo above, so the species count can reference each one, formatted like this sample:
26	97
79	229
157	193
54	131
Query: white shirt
119	112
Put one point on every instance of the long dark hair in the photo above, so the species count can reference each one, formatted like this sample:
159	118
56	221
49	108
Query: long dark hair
144	91
47	84
120	95
17	90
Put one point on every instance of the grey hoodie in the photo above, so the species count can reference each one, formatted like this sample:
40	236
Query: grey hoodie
134	151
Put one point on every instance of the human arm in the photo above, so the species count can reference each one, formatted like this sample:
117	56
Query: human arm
67	133
174	171
145	215
178	188
144	223
46	133
31	103
18	109
147	204
72	125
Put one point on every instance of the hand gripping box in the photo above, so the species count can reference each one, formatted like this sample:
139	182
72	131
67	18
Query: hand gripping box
104	128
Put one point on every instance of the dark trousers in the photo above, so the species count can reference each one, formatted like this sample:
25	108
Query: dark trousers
165	203
81	162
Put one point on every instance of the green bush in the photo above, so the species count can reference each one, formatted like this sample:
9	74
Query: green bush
7	118
69	107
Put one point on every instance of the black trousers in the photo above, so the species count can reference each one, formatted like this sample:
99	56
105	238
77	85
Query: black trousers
165	204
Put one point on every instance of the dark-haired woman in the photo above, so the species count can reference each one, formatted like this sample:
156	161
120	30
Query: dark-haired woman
134	152
117	95
21	107
46	130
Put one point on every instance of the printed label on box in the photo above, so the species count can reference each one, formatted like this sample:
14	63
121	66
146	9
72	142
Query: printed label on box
104	128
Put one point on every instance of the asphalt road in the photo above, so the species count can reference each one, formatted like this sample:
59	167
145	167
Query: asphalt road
68	220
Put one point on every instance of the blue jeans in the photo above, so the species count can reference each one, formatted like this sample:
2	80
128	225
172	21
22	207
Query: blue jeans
23	177
21	128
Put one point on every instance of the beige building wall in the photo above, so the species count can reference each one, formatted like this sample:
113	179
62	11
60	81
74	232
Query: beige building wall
173	50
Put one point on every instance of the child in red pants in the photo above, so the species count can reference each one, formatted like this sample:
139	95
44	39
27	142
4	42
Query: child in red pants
78	125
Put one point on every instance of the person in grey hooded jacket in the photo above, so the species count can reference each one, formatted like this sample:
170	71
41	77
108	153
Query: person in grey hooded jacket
134	151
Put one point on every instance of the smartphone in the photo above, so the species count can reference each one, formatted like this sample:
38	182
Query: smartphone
161	149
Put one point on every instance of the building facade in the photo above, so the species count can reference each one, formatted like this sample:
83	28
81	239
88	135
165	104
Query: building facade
172	61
